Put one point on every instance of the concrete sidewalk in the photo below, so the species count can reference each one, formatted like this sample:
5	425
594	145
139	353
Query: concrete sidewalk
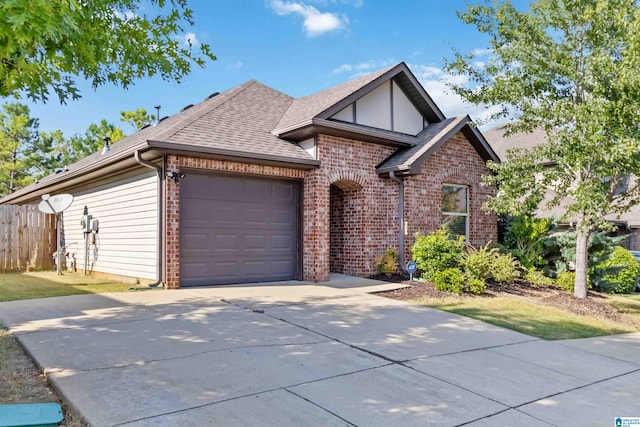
294	354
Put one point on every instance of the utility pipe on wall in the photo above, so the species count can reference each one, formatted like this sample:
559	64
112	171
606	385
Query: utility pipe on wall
160	270
400	182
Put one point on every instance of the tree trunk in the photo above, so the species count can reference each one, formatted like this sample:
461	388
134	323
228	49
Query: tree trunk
582	256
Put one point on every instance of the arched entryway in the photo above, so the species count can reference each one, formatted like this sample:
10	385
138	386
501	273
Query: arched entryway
346	228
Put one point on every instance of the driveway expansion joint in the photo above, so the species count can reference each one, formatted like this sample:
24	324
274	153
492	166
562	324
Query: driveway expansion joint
62	328
471	350
256	393
320	406
577	388
186	356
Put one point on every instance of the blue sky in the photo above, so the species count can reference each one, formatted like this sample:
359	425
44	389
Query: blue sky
298	47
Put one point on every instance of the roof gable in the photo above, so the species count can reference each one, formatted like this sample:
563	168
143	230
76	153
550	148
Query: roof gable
371	90
385	107
409	160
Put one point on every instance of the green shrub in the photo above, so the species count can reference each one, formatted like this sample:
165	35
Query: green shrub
601	247
566	280
488	263
476	286
525	237
436	252
536	278
387	263
478	263
448	280
505	268
621	272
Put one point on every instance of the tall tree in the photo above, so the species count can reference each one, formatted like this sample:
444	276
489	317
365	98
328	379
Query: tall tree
82	145
47	44
137	118
571	68
47	153
18	131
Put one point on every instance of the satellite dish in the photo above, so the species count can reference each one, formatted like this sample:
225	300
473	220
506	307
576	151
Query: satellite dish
55	204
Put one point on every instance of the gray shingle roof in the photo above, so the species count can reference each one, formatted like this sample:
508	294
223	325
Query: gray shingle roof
428	140
238	121
241	123
501	144
304	109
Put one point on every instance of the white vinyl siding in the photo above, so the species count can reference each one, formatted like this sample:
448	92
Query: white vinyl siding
406	118
386	107
126	208
345	115
309	145
374	109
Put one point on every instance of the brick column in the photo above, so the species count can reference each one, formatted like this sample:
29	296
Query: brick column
172	218
316	227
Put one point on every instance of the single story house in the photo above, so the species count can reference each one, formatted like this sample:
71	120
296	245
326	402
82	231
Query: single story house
626	224
252	185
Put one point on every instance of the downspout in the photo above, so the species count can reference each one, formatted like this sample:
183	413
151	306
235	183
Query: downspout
400	182
160	270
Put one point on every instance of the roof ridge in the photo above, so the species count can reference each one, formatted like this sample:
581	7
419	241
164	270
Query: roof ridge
196	113
358	83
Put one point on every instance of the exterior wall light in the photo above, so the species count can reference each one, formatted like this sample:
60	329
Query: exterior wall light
175	176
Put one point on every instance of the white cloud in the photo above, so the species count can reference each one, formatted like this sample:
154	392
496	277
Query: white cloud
354	3
235	66
362	68
189	39
481	52
435	81
315	22
127	15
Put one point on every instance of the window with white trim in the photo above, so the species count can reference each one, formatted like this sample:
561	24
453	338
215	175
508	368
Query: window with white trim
455	210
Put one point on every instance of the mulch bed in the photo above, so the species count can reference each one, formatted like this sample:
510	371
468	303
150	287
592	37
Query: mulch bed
594	305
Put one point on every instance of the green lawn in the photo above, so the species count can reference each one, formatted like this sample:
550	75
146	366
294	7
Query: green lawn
528	317
43	284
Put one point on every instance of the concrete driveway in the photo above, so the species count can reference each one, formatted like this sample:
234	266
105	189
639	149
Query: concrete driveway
295	354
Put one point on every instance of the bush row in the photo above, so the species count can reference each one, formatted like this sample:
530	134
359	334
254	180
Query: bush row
529	248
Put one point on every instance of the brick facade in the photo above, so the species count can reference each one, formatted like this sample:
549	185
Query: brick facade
350	214
361	208
455	162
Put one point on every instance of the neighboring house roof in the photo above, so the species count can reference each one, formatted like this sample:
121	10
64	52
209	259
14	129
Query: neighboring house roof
502	144
409	160
257	124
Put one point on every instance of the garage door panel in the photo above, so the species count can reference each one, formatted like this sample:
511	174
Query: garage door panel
250	233
282	242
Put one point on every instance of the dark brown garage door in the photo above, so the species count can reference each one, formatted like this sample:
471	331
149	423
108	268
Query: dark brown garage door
238	229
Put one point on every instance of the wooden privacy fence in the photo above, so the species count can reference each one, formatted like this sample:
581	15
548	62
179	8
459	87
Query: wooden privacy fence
27	238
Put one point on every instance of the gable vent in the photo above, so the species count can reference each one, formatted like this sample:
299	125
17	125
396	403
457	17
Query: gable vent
187	107
212	95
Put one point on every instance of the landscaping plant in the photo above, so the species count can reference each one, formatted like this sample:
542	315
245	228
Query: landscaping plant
525	237
566	280
488	263
537	278
621	271
601	247
449	280
388	262
436	252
